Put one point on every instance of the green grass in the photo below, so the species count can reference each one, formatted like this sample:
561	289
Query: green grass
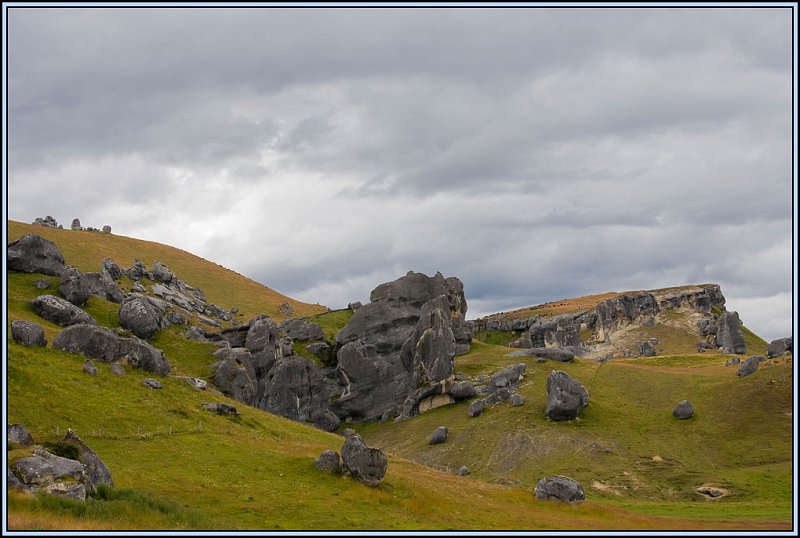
177	466
498	338
86	250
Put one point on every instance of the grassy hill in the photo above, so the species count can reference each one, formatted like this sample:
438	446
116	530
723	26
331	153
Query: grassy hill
86	250
177	466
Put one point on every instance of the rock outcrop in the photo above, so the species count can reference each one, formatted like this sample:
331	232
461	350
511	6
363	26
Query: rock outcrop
34	254
729	334
97	471
105	345
60	311
73	287
400	346
51	474
566	397
560	488
780	347
27	333
300	330
749	366
47	222
18	435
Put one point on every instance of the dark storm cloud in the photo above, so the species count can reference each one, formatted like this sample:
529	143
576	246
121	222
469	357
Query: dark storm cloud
535	153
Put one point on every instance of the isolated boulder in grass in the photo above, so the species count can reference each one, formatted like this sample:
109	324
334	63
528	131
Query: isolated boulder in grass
683	410
366	464
560	488
565	396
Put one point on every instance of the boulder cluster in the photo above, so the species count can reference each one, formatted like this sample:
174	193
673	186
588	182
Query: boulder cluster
365	464
75	472
50	222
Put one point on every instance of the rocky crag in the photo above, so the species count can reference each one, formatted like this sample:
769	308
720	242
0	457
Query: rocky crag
599	331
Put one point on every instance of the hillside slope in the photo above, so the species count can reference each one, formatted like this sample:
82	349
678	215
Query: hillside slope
86	250
178	466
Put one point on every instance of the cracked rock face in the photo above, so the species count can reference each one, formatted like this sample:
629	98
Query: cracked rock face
32	253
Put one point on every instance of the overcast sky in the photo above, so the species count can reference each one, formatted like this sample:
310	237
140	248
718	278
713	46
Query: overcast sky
534	153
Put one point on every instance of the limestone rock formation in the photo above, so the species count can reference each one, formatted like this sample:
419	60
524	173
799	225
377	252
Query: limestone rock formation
729	333
44	471
780	347
27	333
102	285
73	287
295	389
362	462
60	311
235	375
18	435
97	471
560	488
105	345
47	222
300	330
565	396
110	266
476	408
76	224
139	315
162	273
34	254
90	368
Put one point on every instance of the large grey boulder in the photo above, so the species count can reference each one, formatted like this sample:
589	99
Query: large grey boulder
34	254
329	462
438	436
140	316
364	463
780	346
235	375
435	347
102	285
476	408
551	353
76	224
60	311
371	384
162	273
295	389
105	345
300	330
508	376
683	410
51	474
560	488
27	333
646	350
97	471
18	435
263	342
73	287
463	390
729	333
565	396
137	271
555	331
749	366
110	267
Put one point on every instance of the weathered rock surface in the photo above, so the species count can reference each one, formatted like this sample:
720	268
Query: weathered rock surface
462	471
110	267
27	333
97	471
295	389
729	333
73	287
516	400
105	345
683	410
60	311
18	435
162	273
476	408
403	340
235	375
90	368
362	462
560	488
749	366
329	462
438	436
463	390
52	474
42	284
47	222
551	353
34	254
102	285
508	376
300	330
646	350
780	347
565	396
521	343
140	316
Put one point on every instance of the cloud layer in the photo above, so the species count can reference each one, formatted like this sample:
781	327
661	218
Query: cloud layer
534	153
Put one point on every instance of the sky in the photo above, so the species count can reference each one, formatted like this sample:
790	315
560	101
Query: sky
534	153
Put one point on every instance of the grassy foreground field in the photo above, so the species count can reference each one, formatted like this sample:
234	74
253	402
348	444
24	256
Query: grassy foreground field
178	467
